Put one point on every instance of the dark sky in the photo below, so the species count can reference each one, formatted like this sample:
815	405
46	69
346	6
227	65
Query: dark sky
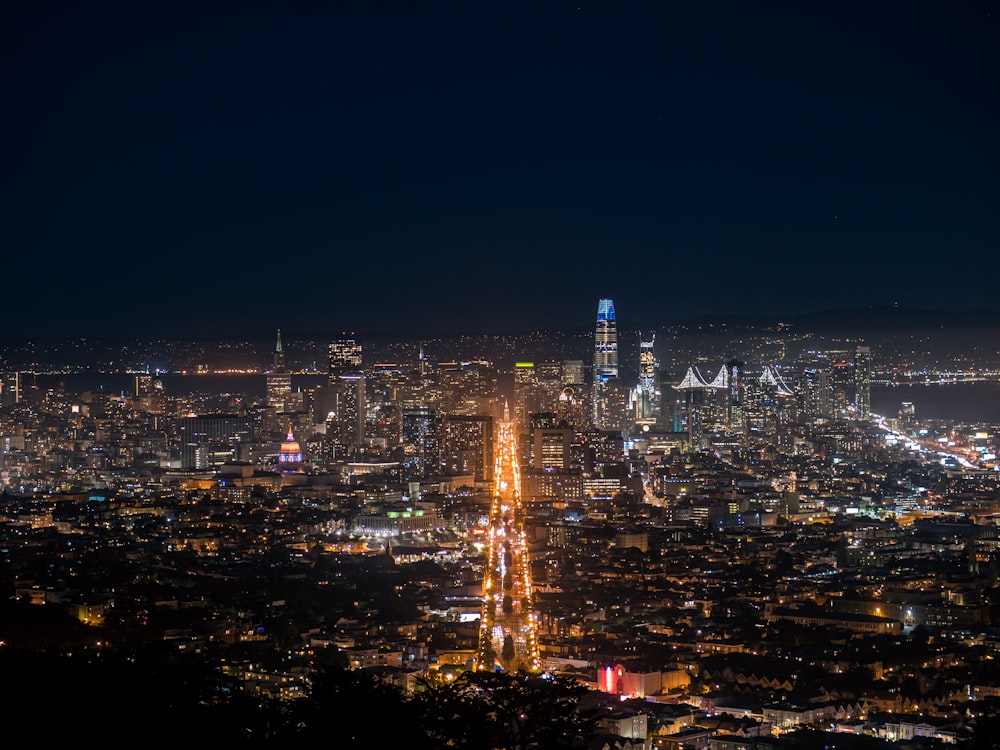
177	168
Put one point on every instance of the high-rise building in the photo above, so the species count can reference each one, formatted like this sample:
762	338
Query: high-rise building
468	387
572	373
734	396
606	342
422	430
527	399
149	395
10	388
345	404
818	394
862	381
279	380
349	412
345	356
551	442
467	445
143	384
646	397
907	415
549	374
605	364
210	440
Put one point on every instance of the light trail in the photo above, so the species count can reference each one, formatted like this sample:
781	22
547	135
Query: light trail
508	630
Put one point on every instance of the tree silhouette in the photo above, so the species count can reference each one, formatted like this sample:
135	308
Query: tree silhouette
507	654
505	711
340	705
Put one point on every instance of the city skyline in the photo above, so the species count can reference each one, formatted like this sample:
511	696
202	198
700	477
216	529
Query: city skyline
192	172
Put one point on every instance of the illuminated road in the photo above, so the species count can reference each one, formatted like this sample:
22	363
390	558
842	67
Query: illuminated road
965	458
508	634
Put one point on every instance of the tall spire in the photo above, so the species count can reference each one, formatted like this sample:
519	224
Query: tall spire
279	355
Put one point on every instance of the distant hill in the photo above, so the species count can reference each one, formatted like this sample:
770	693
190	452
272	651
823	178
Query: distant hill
856	320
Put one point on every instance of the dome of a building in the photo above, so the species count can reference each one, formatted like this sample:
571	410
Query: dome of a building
290	452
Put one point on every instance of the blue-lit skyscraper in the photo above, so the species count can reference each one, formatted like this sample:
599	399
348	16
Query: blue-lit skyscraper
605	342
605	361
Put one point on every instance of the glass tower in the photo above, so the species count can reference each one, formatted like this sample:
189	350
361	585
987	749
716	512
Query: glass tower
862	381
279	380
605	358
605	342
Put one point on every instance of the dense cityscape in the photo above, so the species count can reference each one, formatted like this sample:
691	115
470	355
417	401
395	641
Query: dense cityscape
698	536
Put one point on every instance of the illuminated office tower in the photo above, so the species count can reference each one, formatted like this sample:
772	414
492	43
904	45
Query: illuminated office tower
571	407
824	401
907	415
572	373
818	394
551	442
734	396
508	630
350	410
551	462
279	380
527	394
470	388
646	397
614	406
605	363
347	408
549	375
422	433
693	387
467	445
345	356
606	342
10	389
149	395
862	381
143	384
767	401
210	440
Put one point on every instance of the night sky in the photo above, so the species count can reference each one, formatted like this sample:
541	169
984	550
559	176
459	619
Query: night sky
435	167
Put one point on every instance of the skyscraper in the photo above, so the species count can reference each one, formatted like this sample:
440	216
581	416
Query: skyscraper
862	381
279	380
605	363
572	372
210	440
421	437
467	445
605	342
347	386
646	396
345	356
527	396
